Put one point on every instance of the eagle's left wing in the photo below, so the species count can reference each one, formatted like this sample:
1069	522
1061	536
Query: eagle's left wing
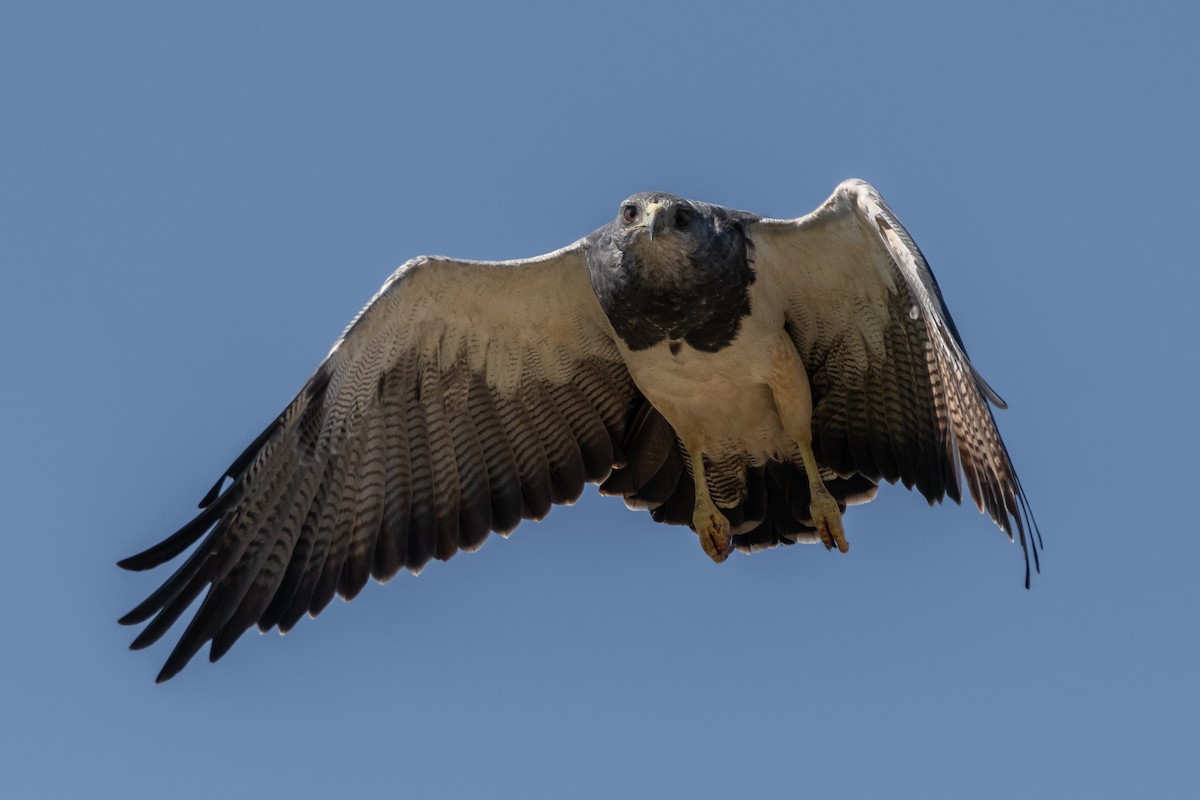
894	395
465	397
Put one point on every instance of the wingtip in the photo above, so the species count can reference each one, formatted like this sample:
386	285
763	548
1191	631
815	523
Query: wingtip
135	563
178	659
142	641
213	493
1037	567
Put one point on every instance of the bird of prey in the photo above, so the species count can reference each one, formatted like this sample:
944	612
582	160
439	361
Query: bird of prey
743	376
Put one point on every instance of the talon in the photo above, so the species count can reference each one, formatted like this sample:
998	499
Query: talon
707	519
827	518
713	530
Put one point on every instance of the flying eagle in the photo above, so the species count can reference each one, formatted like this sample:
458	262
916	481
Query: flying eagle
743	376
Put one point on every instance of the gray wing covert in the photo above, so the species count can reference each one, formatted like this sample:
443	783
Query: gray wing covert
895	396
465	397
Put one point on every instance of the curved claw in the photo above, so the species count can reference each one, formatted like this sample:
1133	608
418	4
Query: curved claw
713	530
827	518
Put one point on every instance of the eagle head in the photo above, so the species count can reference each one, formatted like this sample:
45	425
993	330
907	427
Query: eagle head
664	234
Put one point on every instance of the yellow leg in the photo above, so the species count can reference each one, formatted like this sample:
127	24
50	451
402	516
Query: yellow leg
793	399
826	515
707	519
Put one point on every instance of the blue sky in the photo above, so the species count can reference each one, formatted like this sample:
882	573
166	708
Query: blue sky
195	201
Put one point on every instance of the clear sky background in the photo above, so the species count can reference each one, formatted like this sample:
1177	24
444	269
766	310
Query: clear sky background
194	202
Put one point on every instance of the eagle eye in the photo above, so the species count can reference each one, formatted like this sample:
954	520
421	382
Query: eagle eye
629	213
683	218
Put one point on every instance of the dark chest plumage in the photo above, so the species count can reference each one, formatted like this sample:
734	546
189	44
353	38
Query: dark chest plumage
700	301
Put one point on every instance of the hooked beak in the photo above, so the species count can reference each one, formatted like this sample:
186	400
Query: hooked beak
654	221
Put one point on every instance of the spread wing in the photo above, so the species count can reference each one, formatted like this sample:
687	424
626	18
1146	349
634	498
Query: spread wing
465	397
895	396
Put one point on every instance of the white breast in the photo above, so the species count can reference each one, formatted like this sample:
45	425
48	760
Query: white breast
719	401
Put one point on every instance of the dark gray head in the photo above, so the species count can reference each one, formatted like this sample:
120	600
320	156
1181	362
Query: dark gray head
676	269
668	235
652	212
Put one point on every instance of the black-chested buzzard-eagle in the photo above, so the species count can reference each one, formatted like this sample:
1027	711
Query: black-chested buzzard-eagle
744	376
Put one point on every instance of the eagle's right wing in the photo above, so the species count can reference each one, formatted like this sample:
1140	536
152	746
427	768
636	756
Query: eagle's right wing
465	397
